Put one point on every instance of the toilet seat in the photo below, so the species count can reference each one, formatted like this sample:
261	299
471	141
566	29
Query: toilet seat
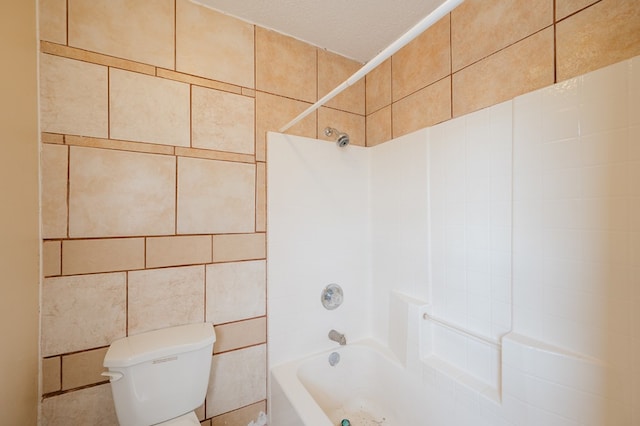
189	419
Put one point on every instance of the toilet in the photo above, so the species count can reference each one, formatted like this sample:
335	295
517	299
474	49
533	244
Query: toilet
161	377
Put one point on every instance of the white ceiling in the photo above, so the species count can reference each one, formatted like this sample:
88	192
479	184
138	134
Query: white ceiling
357	29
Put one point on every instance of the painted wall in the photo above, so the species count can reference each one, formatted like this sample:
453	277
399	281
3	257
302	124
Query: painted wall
490	51
154	191
19	234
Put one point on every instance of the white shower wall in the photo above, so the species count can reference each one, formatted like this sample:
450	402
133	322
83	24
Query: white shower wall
470	177
562	235
577	212
318	234
399	217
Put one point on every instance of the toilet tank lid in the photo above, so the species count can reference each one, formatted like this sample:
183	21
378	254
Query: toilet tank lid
156	344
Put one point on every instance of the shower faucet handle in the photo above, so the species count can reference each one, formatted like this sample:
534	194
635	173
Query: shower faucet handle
331	296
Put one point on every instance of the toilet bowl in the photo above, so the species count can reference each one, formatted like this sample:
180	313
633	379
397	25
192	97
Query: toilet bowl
161	377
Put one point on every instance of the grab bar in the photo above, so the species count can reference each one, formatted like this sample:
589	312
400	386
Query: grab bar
462	331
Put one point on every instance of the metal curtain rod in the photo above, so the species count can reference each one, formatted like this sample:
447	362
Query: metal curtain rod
407	37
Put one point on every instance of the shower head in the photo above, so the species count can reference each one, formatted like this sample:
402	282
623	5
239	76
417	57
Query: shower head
342	139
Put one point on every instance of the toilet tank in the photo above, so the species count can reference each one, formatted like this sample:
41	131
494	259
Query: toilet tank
161	374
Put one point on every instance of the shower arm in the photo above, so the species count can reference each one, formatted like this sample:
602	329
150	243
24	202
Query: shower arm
405	39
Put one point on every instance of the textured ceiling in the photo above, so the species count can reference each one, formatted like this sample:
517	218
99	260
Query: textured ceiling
357	29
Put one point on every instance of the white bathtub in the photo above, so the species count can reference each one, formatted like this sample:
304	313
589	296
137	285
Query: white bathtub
367	386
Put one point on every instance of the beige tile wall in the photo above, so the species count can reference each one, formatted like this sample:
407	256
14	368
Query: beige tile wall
492	51
154	186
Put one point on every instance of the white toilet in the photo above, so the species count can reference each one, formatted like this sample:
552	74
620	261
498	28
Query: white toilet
161	377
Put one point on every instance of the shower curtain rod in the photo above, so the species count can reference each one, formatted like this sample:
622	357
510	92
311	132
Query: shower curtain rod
407	37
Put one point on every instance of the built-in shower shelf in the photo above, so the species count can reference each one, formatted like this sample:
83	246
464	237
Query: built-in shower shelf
462	357
438	370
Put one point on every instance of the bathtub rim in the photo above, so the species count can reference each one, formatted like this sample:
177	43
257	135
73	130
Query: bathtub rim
305	406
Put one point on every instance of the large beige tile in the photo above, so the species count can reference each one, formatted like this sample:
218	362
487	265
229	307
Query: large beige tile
285	66
333	70
603	34
346	122
518	69
565	8
261	197
51	375
242	416
104	255
232	247
236	291
160	298
200	412
179	250
116	193
52	20
83	368
424	108
129	29
238	379
73	97
378	83
482	27
148	109
54	168
51	258
215	196
240	334
90	406
222	121
422	62
213	45
273	112
379	126
82	312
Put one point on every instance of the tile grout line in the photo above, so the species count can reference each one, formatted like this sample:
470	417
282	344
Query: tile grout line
576	12
68	200
175	197
451	64
204	300
126	303
555	43
108	102
175	35
67	23
391	94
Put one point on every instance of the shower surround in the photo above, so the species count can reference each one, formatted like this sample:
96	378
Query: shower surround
516	229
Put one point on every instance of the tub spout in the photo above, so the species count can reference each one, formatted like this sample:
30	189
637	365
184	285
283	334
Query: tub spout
337	337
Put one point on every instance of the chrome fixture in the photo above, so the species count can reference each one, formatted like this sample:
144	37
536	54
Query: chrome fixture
337	337
331	296
342	139
334	358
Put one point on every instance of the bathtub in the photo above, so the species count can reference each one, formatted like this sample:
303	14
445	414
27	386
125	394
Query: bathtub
367	386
